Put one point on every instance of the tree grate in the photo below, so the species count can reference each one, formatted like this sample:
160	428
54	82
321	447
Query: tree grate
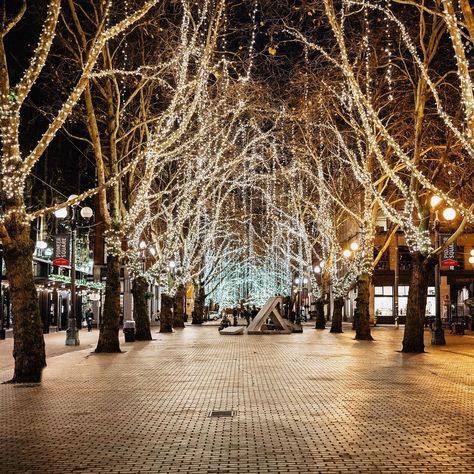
221	413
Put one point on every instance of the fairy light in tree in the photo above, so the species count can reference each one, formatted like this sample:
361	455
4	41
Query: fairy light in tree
15	169
366	46
388	50
370	118
253	19
124	51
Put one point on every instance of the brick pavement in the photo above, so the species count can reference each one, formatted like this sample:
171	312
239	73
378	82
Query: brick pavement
305	403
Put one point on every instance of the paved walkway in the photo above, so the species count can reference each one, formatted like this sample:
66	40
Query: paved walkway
304	403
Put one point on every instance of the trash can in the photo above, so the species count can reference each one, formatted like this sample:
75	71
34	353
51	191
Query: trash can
129	331
2	334
459	329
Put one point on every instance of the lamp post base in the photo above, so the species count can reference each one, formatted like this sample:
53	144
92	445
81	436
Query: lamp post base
72	337
437	337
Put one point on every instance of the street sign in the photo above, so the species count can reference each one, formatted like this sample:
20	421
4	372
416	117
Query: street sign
448	258
449	262
61	250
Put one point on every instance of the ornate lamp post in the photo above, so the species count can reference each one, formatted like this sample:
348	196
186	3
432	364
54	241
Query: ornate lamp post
449	214
2	322
354	247
72	333
298	282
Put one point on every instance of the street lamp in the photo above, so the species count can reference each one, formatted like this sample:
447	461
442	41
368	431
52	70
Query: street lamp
298	283
144	248
449	214
435	201
347	253
41	244
437	333
72	333
61	213
354	246
2	322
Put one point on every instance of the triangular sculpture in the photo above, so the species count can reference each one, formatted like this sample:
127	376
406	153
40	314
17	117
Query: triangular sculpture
271	310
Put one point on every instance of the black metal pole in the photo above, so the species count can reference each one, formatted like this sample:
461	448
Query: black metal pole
396	281
72	333
437	334
298	308
2	322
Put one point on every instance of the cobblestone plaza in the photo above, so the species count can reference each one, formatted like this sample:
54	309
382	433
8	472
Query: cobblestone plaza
311	402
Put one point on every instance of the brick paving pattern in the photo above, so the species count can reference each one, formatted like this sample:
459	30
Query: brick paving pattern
304	403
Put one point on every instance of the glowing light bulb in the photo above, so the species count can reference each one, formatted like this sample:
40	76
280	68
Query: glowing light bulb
41	244
87	212
355	246
61	213
449	214
435	201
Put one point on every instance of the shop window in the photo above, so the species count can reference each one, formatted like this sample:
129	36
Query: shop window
383	300
383	290
402	300
431	301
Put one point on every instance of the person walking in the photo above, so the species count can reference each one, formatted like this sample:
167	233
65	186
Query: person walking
89	319
247	317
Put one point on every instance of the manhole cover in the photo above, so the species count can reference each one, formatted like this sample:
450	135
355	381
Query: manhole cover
221	413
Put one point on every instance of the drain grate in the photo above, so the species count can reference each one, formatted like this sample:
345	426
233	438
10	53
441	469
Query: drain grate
221	413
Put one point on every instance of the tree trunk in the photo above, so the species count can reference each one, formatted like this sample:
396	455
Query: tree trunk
140	309
178	313
28	345
336	325
198	313
109	326
166	315
416	307
363	315
320	318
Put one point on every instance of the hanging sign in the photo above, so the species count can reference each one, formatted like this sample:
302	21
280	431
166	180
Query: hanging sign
448	259
61	250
